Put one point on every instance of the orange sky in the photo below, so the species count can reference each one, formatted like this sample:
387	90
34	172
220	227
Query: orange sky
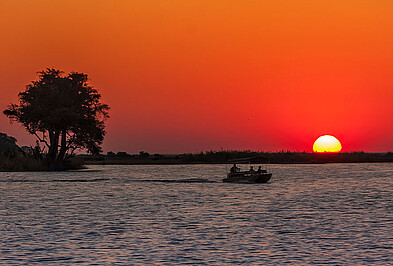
187	76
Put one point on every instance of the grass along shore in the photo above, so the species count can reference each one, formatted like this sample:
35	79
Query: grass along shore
19	162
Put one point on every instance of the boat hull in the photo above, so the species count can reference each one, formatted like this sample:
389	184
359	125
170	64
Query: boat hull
248	178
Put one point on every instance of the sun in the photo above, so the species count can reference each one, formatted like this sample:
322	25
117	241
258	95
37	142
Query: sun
327	143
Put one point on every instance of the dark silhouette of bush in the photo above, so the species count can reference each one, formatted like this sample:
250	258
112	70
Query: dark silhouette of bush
8	143
29	159
111	154
143	154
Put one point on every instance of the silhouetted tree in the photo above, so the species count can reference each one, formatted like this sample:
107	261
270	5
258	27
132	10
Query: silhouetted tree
122	154
63	111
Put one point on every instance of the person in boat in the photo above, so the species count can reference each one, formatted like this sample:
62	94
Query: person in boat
234	168
251	169
260	170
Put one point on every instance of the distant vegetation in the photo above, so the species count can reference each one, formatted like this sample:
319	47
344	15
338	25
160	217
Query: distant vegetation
65	114
219	157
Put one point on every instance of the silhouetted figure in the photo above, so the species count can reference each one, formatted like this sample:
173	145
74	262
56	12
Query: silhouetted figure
234	168
260	170
252	169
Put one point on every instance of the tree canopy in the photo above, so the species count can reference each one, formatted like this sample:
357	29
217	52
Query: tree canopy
63	111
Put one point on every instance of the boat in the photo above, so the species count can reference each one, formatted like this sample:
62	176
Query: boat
238	175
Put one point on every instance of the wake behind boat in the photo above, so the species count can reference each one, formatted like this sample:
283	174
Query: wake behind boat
261	175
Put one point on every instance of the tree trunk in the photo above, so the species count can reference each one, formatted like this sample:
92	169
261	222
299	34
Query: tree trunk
54	144
63	148
51	147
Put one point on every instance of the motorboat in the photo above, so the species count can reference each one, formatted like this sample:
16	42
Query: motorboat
238	175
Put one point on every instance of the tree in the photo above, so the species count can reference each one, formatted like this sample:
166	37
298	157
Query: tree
63	111
7	143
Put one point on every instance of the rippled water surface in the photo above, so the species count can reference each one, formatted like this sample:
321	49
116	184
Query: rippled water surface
307	214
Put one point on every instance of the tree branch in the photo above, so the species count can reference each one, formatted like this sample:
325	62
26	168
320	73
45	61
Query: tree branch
42	140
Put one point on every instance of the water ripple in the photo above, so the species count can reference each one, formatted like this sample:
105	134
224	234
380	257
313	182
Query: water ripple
307	214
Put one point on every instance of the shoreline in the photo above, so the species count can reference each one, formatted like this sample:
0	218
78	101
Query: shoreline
93	163
222	157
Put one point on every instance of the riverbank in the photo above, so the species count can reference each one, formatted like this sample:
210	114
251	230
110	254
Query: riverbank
19	162
222	157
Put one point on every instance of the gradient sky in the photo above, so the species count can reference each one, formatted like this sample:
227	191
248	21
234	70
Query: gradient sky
187	76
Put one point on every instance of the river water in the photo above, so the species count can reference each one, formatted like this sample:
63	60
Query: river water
307	214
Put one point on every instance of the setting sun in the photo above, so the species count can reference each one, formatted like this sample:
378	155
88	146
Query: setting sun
327	143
